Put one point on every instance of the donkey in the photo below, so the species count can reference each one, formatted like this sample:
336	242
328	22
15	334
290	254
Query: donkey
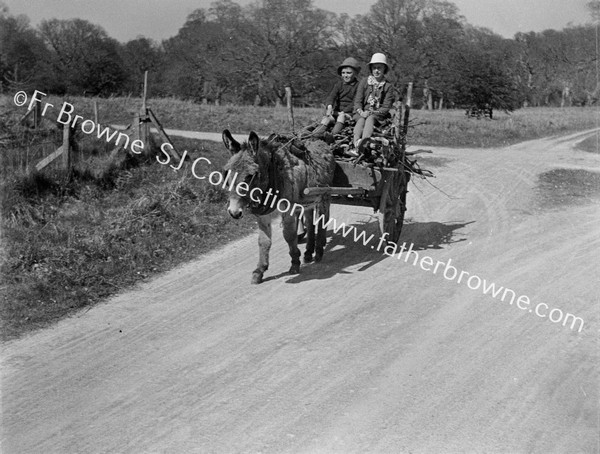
269	176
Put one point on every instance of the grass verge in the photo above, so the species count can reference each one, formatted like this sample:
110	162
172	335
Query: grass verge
69	245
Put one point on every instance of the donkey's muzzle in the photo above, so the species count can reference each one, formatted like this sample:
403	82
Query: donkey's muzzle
235	214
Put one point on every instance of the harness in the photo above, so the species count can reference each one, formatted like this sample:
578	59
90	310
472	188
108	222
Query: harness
260	208
295	147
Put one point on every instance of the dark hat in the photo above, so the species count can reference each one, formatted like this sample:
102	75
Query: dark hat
349	63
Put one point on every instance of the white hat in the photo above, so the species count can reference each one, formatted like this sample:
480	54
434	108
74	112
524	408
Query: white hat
379	58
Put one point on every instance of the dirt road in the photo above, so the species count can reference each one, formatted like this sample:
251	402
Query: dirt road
361	353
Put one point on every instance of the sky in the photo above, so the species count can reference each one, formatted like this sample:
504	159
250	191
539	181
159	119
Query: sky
160	19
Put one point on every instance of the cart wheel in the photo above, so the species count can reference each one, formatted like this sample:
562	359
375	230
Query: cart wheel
393	205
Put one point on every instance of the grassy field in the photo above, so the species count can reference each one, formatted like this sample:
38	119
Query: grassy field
453	129
69	241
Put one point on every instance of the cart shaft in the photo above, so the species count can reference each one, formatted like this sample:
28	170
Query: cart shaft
314	191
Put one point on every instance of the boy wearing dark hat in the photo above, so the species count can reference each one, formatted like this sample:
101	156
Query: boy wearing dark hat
340	101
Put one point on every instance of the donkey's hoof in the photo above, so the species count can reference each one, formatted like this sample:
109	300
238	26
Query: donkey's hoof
295	269
318	256
257	278
308	257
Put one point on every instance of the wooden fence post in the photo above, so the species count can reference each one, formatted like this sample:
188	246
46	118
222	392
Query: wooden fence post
64	152
144	132
66	148
96	112
135	125
145	91
37	115
144	127
288	97
405	115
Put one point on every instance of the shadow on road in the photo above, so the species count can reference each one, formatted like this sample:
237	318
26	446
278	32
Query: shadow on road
343	255
431	235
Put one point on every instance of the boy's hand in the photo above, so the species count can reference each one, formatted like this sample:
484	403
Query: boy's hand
329	111
343	117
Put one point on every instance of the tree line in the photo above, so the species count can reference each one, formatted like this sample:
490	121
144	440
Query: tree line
248	54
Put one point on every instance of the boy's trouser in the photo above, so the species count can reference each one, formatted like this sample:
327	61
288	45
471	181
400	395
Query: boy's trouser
327	120
337	128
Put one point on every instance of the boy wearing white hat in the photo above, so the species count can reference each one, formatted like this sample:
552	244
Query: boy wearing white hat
340	101
374	99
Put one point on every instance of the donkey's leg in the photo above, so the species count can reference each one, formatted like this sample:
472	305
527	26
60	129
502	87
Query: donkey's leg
264	246
323	207
290	226
309	220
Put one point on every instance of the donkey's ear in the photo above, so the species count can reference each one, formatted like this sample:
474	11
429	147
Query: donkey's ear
230	143
254	142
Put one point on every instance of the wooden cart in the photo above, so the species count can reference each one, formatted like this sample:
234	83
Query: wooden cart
382	184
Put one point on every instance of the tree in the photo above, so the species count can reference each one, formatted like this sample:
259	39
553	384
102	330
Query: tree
140	55
83	58
484	79
284	44
253	53
20	51
559	66
390	27
418	36
198	55
441	35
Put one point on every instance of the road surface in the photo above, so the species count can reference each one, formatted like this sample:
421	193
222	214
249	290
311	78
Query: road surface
362	353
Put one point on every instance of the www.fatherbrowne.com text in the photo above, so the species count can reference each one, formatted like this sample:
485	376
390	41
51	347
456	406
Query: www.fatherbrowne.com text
451	273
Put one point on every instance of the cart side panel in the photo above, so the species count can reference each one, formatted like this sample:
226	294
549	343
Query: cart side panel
350	175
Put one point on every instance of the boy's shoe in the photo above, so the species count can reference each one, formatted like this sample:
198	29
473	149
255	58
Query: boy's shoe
328	138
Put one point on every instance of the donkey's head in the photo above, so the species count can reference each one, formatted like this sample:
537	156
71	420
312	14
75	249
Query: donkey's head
246	173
